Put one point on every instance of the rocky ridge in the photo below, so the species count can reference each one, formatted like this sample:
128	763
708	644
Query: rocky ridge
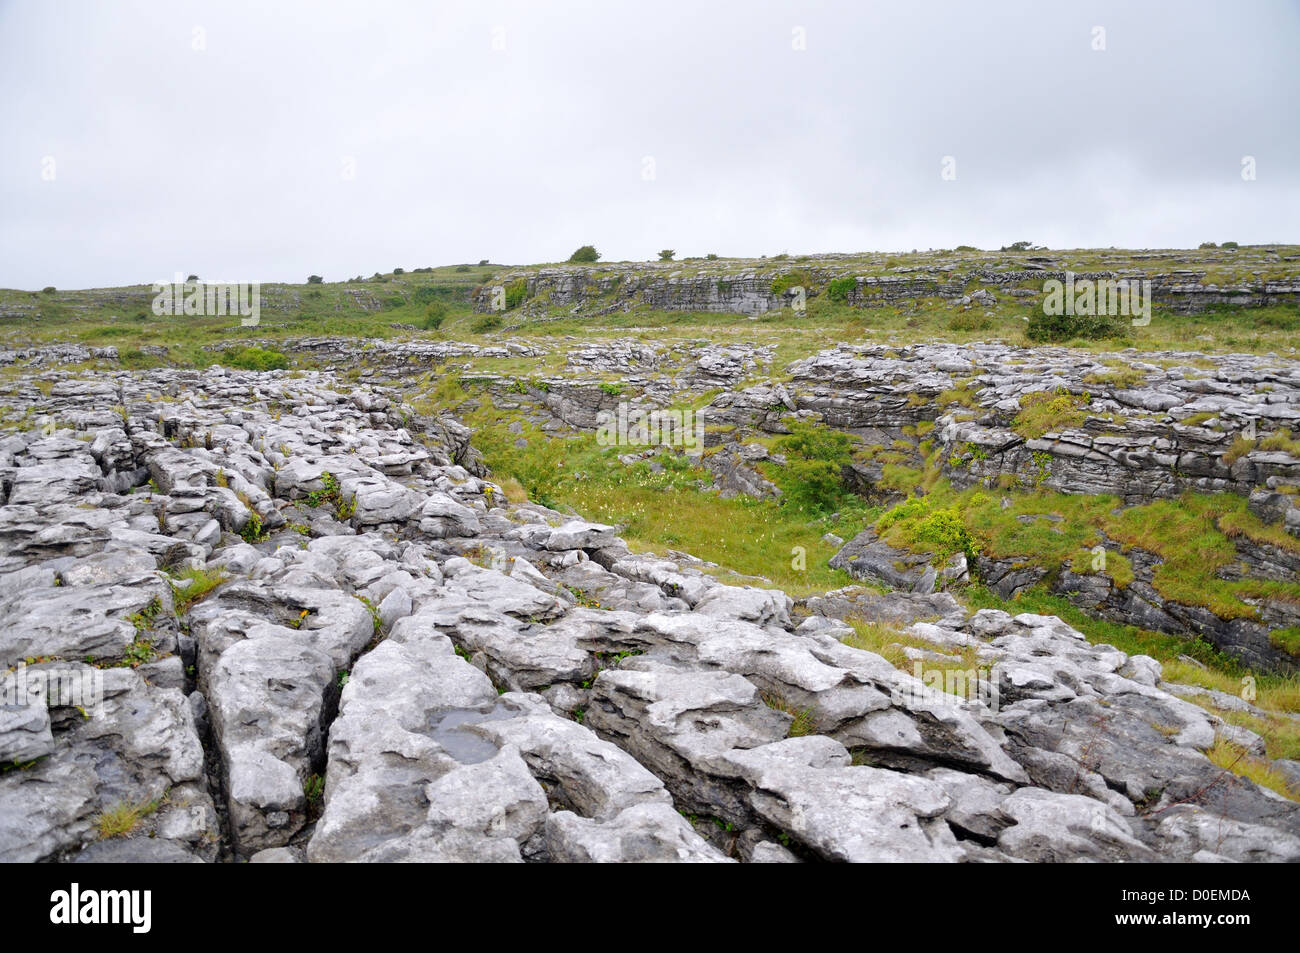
1187	283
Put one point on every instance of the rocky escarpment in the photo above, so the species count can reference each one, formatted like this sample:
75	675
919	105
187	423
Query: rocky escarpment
1184	282
1138	426
309	628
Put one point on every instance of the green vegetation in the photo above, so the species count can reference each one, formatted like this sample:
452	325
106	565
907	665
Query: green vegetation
434	314
124	817
354	308
1121	378
1045	328
663	508
256	359
839	289
792	279
1193	535
919	526
190	585
1239	448
1242	763
1042	412
331	493
587	254
375	620
1288	639
252	529
803	722
812	479
516	292
1282	442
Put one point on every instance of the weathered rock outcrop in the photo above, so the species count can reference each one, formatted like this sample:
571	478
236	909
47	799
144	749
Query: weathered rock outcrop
754	287
320	637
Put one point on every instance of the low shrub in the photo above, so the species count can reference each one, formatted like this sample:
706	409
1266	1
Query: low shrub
255	359
840	288
919	526
1065	327
434	315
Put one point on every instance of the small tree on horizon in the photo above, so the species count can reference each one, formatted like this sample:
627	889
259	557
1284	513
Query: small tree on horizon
586	255
667	254
314	279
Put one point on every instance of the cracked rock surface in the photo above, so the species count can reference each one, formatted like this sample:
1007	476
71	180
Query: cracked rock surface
303	625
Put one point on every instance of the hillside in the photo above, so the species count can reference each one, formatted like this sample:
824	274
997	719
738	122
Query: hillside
917	561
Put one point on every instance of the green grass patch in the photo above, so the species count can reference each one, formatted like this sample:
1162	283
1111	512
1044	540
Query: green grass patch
1044	412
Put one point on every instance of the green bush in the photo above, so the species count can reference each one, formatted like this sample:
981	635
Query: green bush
816	456
791	279
813	442
314	279
516	292
812	485
667	254
970	322
587	254
434	315
921	527
424	294
1064	327
394	301
255	359
485	323
840	288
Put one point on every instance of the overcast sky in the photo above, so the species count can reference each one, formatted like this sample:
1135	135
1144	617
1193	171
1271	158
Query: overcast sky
272	140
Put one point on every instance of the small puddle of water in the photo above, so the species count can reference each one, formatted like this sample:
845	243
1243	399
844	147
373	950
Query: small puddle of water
449	729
